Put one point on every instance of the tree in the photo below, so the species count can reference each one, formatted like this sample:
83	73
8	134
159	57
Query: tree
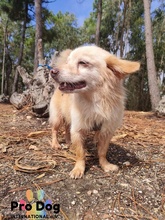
159	44
4	23
122	33
114	16
18	11
21	50
98	25
63	33
152	77
38	33
137	84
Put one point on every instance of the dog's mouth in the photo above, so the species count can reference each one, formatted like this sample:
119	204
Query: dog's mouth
65	86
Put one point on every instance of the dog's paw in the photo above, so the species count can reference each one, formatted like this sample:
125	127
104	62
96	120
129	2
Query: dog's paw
110	167
56	146
77	172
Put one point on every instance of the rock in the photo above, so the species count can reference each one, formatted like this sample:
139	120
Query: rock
73	202
28	117
95	191
127	163
89	193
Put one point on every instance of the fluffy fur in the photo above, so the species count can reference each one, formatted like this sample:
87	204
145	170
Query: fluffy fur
89	95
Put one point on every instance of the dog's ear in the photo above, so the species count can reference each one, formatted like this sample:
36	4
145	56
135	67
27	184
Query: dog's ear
121	68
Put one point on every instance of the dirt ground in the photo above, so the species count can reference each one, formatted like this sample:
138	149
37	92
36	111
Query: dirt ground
27	162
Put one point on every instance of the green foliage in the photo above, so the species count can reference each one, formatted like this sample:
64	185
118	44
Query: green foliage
89	28
16	9
137	84
62	31
28	58
159	37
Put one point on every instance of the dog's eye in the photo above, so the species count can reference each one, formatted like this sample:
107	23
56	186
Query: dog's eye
83	63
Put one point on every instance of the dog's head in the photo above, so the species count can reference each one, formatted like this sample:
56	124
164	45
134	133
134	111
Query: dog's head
89	67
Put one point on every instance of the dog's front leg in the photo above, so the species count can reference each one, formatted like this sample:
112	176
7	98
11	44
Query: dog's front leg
103	144
77	143
55	143
67	133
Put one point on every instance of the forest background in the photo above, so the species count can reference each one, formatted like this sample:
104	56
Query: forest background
121	31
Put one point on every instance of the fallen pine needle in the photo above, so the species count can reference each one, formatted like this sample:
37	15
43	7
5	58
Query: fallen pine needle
40	176
137	217
156	160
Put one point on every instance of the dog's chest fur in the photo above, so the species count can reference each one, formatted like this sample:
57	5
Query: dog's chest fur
91	113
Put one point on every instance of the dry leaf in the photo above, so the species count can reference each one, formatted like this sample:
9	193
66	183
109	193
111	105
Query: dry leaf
116	137
37	133
4	149
40	176
33	147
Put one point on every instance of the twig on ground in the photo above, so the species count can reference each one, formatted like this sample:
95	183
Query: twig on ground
32	169
140	205
137	215
37	133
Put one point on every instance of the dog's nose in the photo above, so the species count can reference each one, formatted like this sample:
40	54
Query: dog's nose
54	71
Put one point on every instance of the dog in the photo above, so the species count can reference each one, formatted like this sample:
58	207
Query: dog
89	96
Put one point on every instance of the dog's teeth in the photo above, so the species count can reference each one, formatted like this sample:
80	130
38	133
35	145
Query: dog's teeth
65	84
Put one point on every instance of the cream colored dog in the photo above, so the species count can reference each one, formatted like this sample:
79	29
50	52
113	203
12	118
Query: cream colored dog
90	96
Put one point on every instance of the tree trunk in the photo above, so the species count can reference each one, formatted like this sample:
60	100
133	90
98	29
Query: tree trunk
8	65
4	54
39	87
38	16
98	25
124	26
16	76
152	78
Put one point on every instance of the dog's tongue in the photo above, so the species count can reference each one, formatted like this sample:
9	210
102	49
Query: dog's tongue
64	86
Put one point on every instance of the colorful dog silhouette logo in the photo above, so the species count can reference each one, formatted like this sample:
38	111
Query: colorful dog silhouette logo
35	209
